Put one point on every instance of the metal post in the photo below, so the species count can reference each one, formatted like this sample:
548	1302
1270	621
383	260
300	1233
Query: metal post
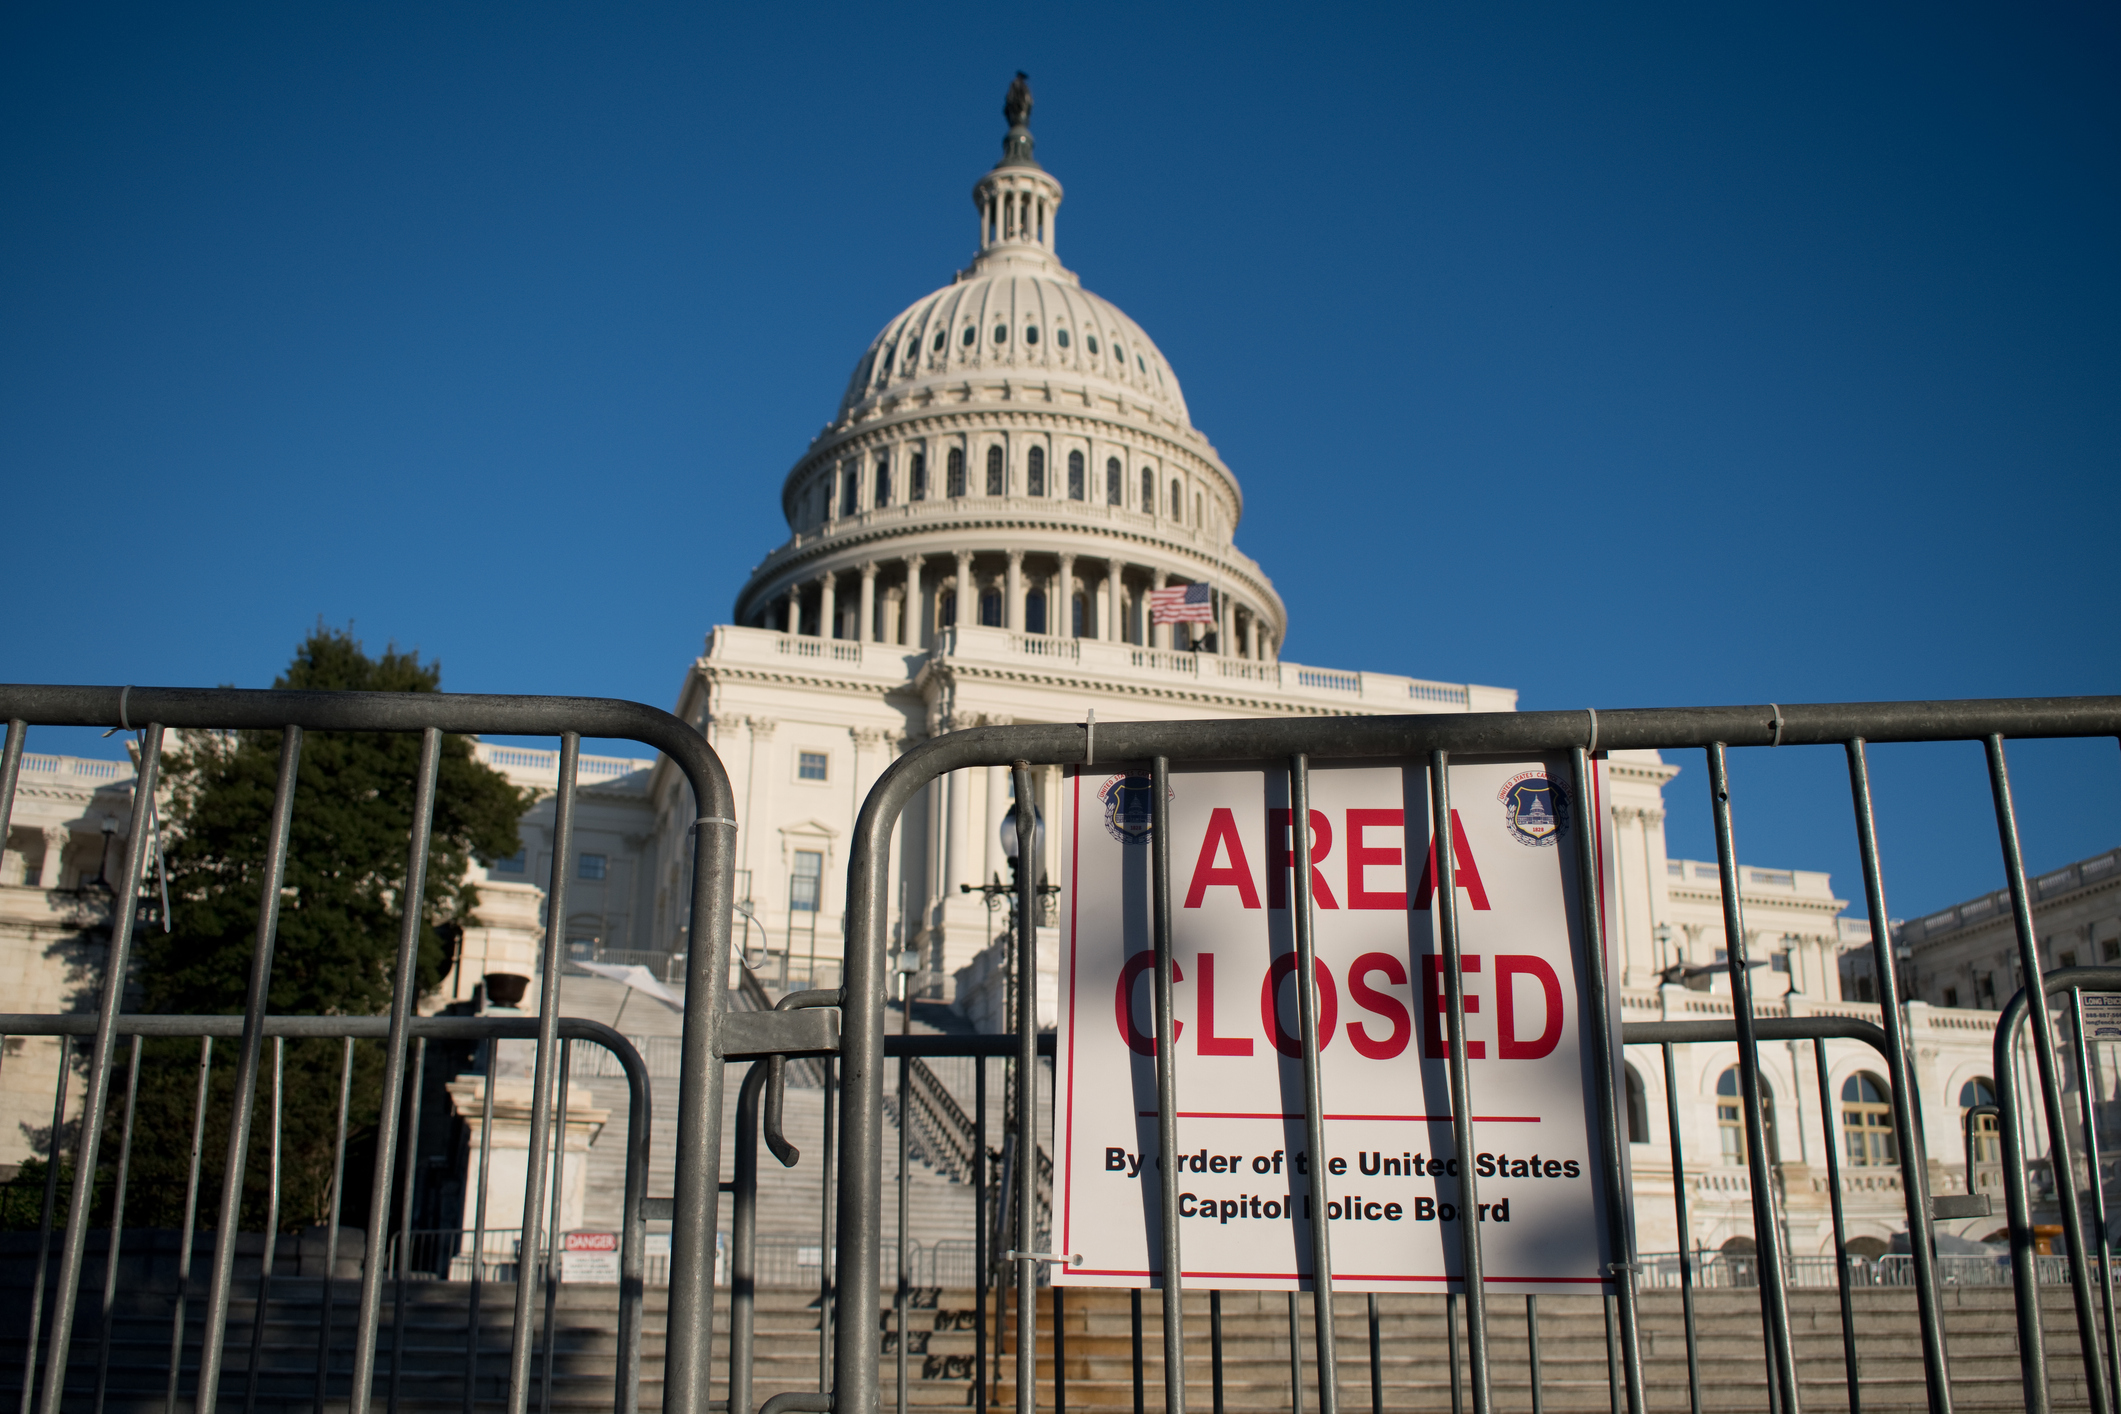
116	972
405	1200
1215	1344
1907	1110
1296	1341
2050	1069
827	1271
1607	1071
1774	1298
1443	838
1841	1249
405	982
543	1075
905	1196
743	1238
1060	1350
117	1221
220	1280
272	1227
2088	1096
1026	1098
552	1243
331	1238
1450	1331
44	1228
1531	1338
1686	1234
979	1235
1166	1089
1134	1306
1377	1359
190	1228
1314	1089
478	1233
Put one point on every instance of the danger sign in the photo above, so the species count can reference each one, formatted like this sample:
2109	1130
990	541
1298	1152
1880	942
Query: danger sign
1246	1174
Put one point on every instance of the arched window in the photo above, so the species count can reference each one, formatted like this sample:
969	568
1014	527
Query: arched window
1001	333
942	336
1060	336
1732	1127
990	609
1867	1122
1082	616
1075	476
971	336
917	478
1035	471
883	481
1178	502
1198	517
1031	334
1090	341
955	471
1148	492
850	489
1986	1146
1035	611
1638	1109
1113	479
995	473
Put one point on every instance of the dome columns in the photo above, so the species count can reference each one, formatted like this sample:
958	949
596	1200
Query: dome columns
865	627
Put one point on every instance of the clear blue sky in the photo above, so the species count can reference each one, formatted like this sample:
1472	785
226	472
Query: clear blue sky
1625	356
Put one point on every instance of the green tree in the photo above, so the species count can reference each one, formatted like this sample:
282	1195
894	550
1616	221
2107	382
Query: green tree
340	917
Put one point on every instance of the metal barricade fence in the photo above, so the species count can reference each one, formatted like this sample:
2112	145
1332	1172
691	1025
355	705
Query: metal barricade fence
1433	742
49	1354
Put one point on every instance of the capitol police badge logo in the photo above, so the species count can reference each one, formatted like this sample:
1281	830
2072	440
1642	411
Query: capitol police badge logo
1535	809
1129	803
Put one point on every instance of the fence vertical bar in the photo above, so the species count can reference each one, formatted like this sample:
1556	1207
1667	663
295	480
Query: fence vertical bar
1215	1345
272	1227
1450	1332
902	1292
405	982
492	1049
1531	1341
11	770
331	1236
1686	1233
2050	1068
405	1200
116	972
44	1228
1296	1354
827	1270
1774	1296
743	1237
2025	1270
220	1281
1900	1071
1026	1098
1167	1089
553	1257
2088	1096
117	1220
1314	1091
1443	838
117	959
543	1074
1607	1072
190	1225
1060	1350
979	1234
1377	1359
1841	1248
1134	1311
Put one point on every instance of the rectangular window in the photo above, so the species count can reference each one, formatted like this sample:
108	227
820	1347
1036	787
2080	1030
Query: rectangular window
2110	949
917	478
1780	961
2067	959
805	882
956	471
883	481
811	765
850	489
513	864
1951	994
591	866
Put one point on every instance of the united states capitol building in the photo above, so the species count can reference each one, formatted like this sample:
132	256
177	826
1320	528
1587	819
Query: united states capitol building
972	540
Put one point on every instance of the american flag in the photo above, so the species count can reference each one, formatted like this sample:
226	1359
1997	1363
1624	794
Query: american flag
1182	604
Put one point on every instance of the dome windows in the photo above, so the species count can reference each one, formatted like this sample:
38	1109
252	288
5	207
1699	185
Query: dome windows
1001	333
1060	336
1031	334
883	481
1139	364
1148	492
1114	490
1034	472
997	473
917	477
971	336
1178	502
1090	342
942	337
955	471
1075	476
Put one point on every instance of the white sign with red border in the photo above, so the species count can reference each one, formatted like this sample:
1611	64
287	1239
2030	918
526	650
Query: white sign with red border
1245	1168
590	1257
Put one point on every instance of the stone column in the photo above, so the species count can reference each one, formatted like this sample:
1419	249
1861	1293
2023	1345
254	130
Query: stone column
967	591
1015	591
828	606
1252	637
508	1163
56	839
1226	629
1108	627
909	623
795	608
865	630
1067	597
1159	634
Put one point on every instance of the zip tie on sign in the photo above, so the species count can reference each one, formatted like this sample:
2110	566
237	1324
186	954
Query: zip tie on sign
1069	1260
123	725
1592	749
1775	722
710	820
1090	738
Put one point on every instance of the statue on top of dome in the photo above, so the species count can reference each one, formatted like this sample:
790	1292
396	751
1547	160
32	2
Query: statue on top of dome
1017	106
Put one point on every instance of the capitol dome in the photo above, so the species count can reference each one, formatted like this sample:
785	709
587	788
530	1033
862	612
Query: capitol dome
1011	451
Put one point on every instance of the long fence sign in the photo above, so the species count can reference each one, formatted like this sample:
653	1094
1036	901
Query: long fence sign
1394	1193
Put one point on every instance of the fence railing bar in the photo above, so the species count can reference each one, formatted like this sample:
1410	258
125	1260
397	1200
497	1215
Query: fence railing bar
1134	1314
552	1240
1685	1229
2051	1094
828	1311
1296	1351
1026	979
1060	1349
1907	1092
743	1236
331	1233
1444	840
1304	920
1531	1340
1450	1340
220	1278
542	1076
408	1190
1170	1258
1605	1071
979	1235
1612	1353
94	1104
404	979
44	1226
2087	1094
1841	1246
1215	1346
272	1227
492	1054
190	1225
115	1242
1774	1301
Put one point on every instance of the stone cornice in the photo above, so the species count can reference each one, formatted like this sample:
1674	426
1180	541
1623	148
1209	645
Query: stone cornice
1801	903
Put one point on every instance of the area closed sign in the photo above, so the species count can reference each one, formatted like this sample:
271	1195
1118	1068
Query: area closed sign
1394	1197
